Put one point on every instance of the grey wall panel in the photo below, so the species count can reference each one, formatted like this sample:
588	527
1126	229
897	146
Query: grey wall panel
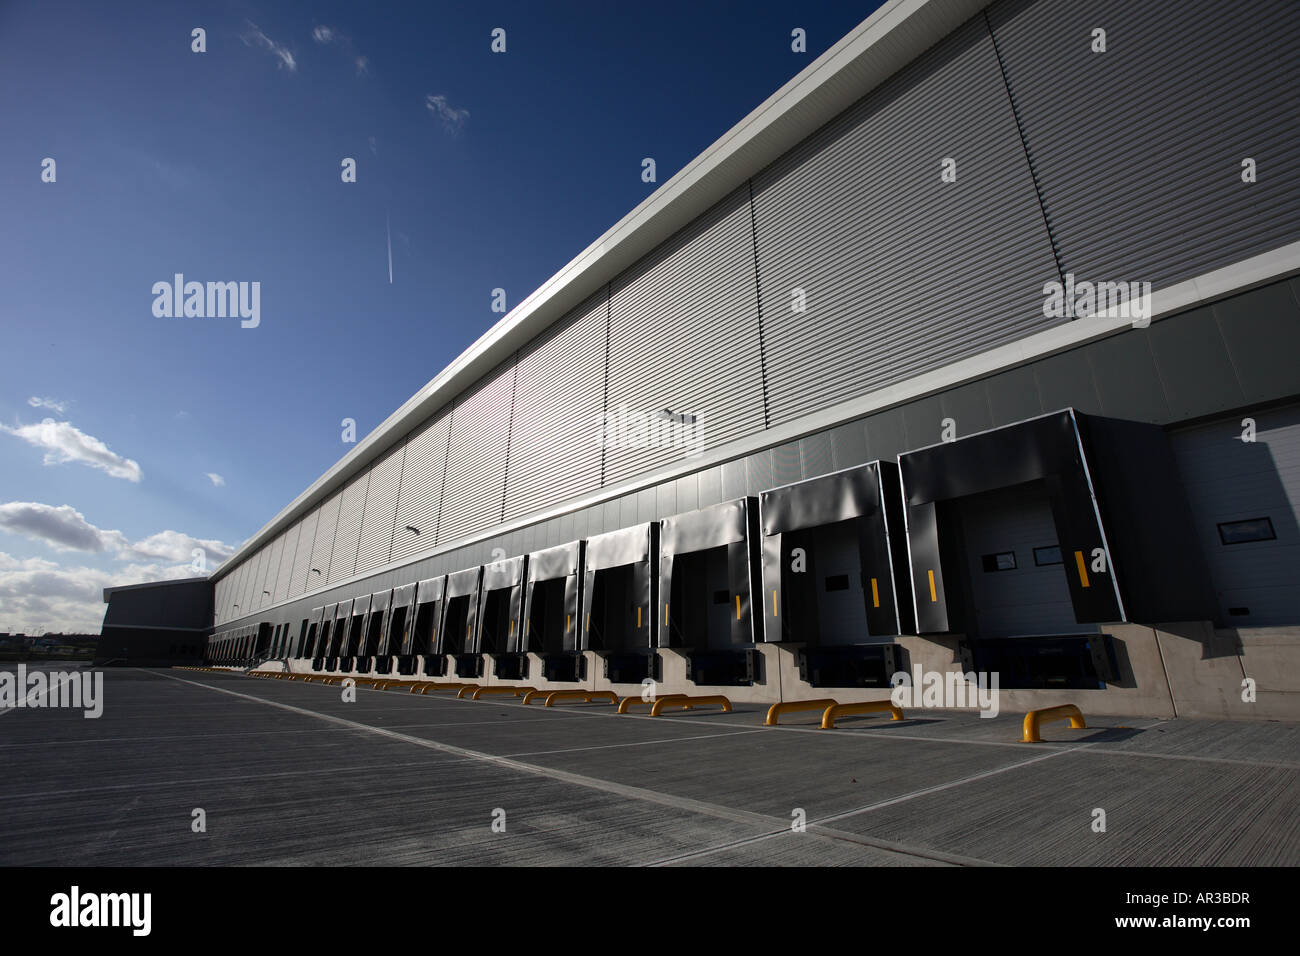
902	271
968	407
302	558
1128	384
1262	332
735	479
684	340
347	536
322	548
815	456
1013	395
923	422
787	467
420	496
886	435
476	464
849	444
759	468
380	509
1194	367
1138	150
1065	380
687	490
284	574
555	432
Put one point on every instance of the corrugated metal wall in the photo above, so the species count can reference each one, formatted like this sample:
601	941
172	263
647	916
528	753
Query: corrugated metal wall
1136	153
555	451
323	548
901	271
684	343
420	496
1138	150
302	558
380	510
347	536
476	464
285	571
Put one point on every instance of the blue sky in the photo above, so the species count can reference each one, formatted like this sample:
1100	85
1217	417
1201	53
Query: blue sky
493	169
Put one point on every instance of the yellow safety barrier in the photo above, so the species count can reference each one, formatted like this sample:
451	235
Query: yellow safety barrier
533	695
502	689
862	707
466	689
629	702
1035	718
436	685
689	703
587	696
789	706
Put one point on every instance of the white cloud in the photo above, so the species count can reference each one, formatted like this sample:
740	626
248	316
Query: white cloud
217	480
63	528
64	442
281	53
326	36
38	595
322	34
452	118
53	404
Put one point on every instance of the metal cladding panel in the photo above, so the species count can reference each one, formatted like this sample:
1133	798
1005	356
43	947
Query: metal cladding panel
476	462
380	510
420	495
852	493
504	574
302	556
287	553
555	450
271	575
685	370
347	536
250	579
430	589
710	527
616	548
557	562
1186	90
323	546
901	271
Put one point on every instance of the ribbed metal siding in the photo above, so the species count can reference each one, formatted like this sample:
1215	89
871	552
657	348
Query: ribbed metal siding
347	537
476	464
323	548
380	510
1138	150
684	338
302	557
902	272
287	554
253	584
271	574
559	395
420	496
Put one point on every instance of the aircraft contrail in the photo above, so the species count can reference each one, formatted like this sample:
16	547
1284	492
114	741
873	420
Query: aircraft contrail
388	226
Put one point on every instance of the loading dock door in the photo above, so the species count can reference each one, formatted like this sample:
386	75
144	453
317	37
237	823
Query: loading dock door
501	607
1245	497
830	574
707	576
459	612
619	590
552	600
1017	573
397	627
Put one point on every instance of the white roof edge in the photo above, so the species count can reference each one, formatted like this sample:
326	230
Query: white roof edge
894	35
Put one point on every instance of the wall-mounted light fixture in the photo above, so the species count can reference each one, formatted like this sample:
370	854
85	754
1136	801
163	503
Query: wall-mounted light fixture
413	529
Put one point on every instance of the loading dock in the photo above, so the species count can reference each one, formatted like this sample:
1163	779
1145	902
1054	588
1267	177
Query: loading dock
500	614
459	610
338	637
552	604
426	625
832	574
397	632
372	631
353	634
324	637
708	570
307	650
619	591
1024	539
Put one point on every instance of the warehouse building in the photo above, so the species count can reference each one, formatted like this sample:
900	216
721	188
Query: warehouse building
971	348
